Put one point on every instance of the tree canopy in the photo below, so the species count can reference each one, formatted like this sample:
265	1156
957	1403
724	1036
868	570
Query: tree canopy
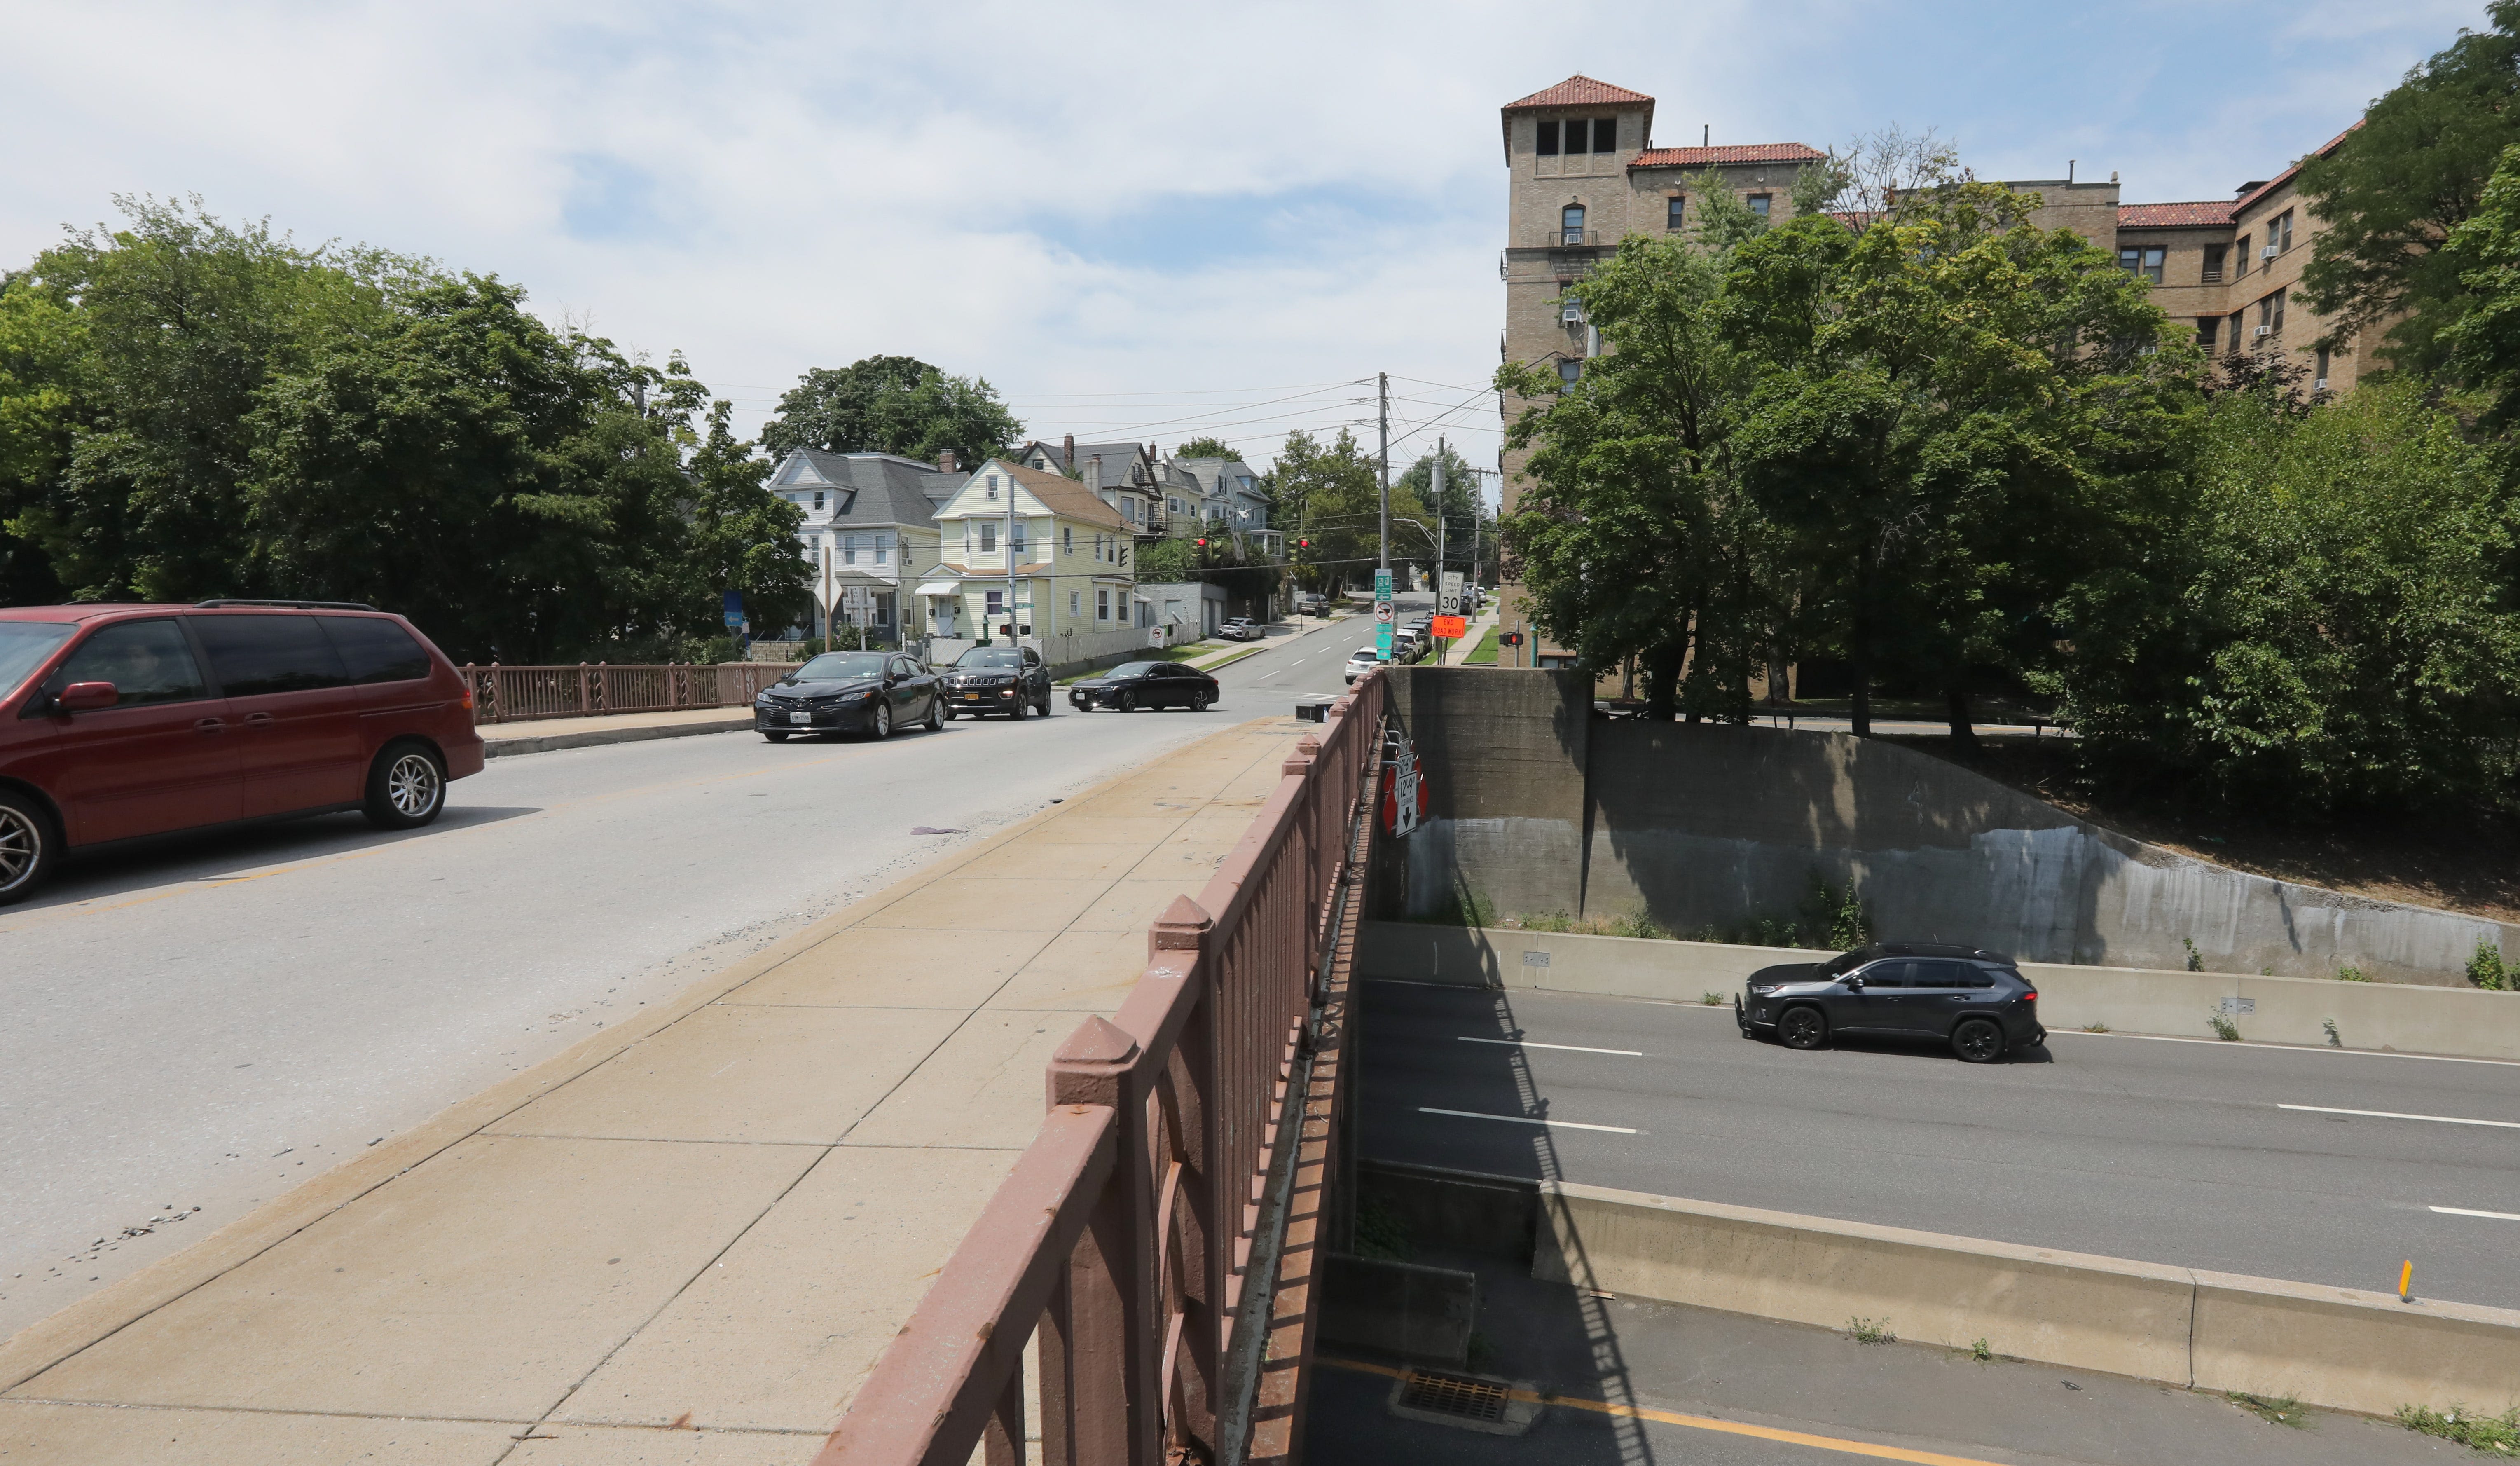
891	405
1204	447
1329	492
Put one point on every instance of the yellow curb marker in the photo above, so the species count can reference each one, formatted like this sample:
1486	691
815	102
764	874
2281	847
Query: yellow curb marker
1700	1422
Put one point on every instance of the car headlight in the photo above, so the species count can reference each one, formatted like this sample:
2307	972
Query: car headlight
857	697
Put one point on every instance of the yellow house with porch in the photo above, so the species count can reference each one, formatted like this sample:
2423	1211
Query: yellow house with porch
1042	546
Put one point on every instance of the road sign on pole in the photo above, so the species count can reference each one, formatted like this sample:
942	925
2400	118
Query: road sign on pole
1448	601
1382	613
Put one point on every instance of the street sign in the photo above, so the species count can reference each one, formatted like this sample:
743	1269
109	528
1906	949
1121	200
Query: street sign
1450	627
1382	613
1404	789
1448	602
733	610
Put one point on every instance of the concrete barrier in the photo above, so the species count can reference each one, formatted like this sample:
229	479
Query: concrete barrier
2379	1017
2336	1348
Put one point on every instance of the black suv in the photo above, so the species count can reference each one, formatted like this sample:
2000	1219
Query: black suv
997	679
1975	1000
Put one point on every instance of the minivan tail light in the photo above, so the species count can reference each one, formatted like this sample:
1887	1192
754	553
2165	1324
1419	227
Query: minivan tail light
468	696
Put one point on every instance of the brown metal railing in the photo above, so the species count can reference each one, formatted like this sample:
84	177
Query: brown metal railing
1124	1235
593	689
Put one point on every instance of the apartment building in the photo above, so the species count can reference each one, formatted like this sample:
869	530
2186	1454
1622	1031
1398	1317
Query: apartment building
1585	174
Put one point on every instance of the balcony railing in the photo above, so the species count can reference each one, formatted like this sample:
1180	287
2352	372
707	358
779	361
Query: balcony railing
1134	1237
520	694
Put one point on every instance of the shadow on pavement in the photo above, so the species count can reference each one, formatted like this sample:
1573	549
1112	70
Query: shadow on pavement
228	853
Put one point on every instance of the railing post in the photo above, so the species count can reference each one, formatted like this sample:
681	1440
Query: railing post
1100	1400
1177	941
585	694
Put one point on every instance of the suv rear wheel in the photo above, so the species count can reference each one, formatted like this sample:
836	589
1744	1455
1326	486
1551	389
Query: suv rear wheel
1802	1028
406	788
27	846
1978	1041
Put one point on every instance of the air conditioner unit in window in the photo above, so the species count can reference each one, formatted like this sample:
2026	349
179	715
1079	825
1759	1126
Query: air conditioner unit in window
1571	313
2270	252
2264	331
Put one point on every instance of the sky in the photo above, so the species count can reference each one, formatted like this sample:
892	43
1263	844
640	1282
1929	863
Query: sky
1136	221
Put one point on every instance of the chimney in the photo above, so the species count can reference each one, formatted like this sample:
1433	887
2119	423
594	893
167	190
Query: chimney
1094	473
946	462
1067	458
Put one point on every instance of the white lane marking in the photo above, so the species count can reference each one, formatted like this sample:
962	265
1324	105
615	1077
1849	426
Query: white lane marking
1571	1048
2286	1049
1521	1120
2445	1119
2464	1211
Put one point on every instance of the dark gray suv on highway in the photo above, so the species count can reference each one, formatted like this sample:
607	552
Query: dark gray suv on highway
1975	1000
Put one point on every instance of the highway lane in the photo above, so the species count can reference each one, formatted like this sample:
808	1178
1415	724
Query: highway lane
188	1031
2164	1151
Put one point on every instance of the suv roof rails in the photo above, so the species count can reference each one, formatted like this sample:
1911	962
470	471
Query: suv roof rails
291	605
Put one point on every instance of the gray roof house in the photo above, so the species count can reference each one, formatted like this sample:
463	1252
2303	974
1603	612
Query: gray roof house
1124	475
870	528
1229	491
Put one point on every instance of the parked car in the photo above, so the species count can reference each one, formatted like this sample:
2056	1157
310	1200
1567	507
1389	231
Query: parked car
1240	628
1362	660
997	679
849	692
122	721
1972	999
1312	603
1144	684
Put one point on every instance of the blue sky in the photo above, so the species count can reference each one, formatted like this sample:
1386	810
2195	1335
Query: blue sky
1137	219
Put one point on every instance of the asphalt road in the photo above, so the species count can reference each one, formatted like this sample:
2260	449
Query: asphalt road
191	1029
2164	1151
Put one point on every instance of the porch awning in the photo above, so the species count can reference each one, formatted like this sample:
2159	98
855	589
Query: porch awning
941	588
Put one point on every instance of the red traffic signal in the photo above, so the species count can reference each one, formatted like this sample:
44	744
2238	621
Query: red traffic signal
1510	639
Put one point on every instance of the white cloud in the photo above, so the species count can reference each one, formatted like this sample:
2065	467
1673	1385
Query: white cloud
1096	198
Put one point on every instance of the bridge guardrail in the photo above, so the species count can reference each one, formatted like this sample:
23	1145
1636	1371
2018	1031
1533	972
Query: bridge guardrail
502	694
1124	1233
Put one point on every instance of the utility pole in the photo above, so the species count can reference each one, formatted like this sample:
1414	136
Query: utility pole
1441	529
1384	611
1007	543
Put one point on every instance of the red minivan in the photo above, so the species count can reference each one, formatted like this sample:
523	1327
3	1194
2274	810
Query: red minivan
124	722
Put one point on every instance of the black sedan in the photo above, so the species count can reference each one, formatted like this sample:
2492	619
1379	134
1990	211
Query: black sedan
1972	999
849	692
1144	684
1008	681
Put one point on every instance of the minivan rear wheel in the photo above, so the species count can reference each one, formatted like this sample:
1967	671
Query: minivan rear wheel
1978	1041
406	788
27	846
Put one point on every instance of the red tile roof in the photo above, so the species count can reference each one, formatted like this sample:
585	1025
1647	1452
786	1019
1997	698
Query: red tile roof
1699	158
1578	91
2174	216
2284	177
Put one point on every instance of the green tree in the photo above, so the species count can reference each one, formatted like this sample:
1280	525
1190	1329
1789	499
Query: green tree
1204	447
1951	415
2484	343
1327	493
182	321
2326	631
1466	522
891	405
2392	193
42	348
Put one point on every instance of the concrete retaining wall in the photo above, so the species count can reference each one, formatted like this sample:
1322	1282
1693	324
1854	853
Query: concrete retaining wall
1537	807
2334	1347
2388	1017
1404	1308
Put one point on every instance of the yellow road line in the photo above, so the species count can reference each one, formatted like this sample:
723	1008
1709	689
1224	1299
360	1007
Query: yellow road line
1699	1422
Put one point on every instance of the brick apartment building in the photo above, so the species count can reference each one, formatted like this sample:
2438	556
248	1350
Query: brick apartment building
1586	174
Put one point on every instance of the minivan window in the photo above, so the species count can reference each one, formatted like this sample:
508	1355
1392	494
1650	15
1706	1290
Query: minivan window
147	661
374	651
24	646
252	656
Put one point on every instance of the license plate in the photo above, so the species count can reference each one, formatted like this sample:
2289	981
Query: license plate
801	717
970	697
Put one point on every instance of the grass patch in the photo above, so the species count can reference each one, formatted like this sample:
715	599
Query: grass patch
1870	1331
2223	1029
1982	1352
1485	653
2095	1027
2350	974
1634	924
2499	1433
2283	1409
1711	999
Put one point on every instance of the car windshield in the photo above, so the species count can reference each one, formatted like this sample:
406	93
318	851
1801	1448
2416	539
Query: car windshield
990	656
24	646
1132	669
1846	962
839	666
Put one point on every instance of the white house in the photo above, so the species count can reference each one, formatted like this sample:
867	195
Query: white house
1042	545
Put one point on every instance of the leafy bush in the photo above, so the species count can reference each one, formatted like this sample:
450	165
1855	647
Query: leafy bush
2482	1432
2486	969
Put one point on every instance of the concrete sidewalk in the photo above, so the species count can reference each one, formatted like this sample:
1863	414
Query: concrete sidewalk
684	1242
544	735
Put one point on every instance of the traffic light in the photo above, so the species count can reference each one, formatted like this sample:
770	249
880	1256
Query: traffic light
1510	639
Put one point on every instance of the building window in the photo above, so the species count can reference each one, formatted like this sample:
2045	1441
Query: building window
2143	262
2214	264
883	613
993	488
1073	608
1101	605
1568	370
884	547
1067	539
2239	319
1675	210
2206	330
1759	204
1015	537
1548	144
2279	231
2319	383
1605	135
1570	224
848	549
997	604
988	537
2280	305
2242	267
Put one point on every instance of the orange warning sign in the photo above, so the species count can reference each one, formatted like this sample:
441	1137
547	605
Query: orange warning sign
1450	627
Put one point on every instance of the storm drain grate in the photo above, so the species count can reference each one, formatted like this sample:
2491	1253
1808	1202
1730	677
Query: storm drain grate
1454	1395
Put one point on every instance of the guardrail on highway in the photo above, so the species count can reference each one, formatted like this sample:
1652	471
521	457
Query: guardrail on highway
1125	1235
519	693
